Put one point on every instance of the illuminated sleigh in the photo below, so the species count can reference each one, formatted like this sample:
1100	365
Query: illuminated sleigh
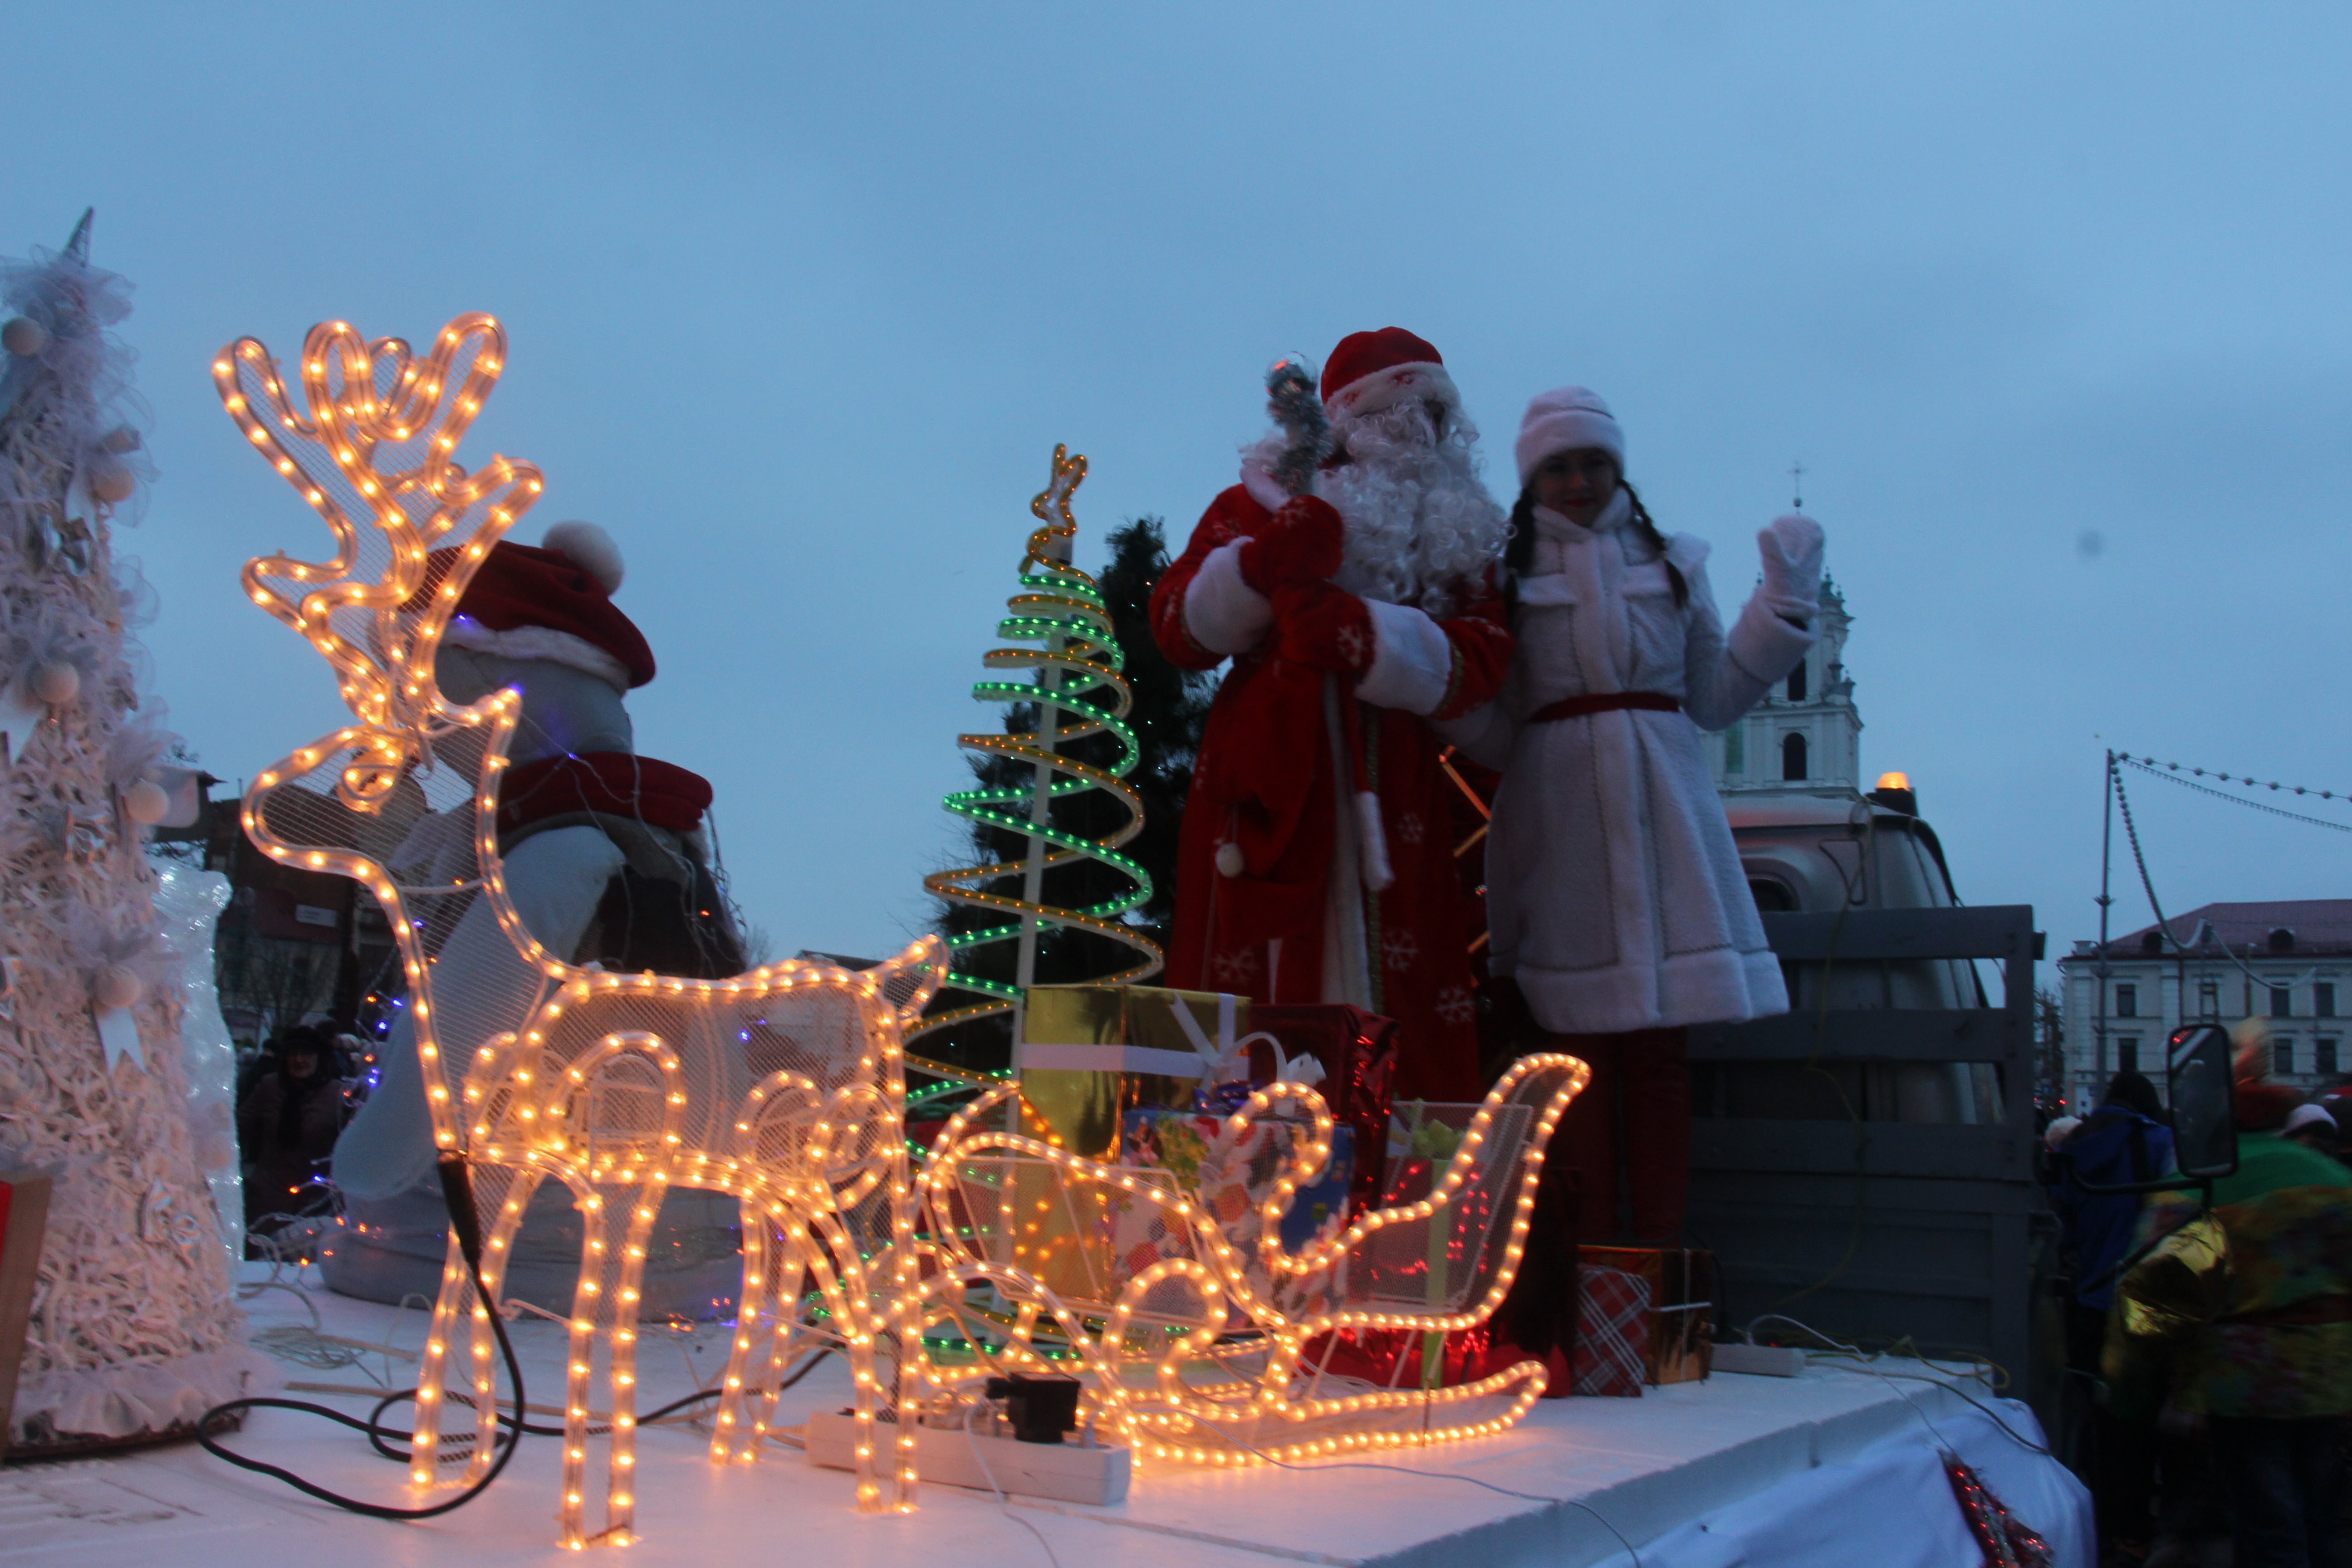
1202	1348
782	1086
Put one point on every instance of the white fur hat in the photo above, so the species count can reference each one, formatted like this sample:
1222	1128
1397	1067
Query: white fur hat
1562	420
588	547
2309	1116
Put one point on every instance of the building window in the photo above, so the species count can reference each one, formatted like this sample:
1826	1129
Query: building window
1735	749
2282	1057
2209	999
2126	1000
2323	999
2281	1002
1797	683
2323	1057
2128	1053
1793	757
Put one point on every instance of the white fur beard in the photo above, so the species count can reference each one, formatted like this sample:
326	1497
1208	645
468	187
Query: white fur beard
1421	525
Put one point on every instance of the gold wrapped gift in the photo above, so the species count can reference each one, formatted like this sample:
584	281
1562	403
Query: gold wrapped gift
1089	1054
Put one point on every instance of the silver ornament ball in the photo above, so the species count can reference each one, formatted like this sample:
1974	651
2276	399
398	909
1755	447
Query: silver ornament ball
145	803
23	336
117	986
111	480
56	683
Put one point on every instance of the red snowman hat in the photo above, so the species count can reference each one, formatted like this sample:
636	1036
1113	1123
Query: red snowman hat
564	585
1372	371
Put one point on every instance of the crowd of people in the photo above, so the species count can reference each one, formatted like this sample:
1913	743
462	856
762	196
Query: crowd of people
2226	1436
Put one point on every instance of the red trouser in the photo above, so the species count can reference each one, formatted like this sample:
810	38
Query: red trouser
1627	1136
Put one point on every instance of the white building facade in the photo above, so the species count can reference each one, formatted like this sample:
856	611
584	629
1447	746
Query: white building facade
1805	736
2288	961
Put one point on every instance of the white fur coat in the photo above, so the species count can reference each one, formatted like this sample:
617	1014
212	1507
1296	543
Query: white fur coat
1614	893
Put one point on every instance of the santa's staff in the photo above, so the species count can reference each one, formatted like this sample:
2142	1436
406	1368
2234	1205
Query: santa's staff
1292	401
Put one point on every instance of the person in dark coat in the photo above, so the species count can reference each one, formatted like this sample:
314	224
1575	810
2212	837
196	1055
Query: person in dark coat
288	1123
2125	1139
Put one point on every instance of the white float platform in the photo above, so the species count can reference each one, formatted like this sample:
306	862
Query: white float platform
1830	1467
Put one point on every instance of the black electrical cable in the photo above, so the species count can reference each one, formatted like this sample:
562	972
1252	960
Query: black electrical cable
374	1425
456	1192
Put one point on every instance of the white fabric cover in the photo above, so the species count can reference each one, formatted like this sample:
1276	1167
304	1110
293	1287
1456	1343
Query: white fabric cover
122	1397
1891	1505
1412	662
1615	894
1225	614
555	879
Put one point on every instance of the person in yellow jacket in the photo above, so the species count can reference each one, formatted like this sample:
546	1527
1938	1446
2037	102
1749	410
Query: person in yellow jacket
2256	1303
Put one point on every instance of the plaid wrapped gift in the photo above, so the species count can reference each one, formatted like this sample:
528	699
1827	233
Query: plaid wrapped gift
1231	1180
1612	1331
1677	1346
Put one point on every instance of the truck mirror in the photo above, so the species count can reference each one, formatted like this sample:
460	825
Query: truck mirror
2204	1101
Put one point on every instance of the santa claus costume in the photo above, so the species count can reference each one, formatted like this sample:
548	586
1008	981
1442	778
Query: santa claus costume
1615	896
1316	863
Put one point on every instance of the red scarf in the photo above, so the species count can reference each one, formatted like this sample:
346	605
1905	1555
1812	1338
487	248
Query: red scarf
659	793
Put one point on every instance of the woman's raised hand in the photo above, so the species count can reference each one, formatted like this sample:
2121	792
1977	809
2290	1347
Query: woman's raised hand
1792	547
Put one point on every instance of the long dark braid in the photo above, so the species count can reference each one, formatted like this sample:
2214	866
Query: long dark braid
1519	551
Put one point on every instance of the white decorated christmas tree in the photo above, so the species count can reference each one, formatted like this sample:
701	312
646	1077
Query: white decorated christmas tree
134	1325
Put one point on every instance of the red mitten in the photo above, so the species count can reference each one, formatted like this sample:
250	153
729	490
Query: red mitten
1301	545
1322	627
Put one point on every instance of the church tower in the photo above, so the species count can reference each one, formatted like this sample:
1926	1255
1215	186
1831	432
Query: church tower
1805	736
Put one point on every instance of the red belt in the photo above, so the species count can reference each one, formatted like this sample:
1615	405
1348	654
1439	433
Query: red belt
1604	703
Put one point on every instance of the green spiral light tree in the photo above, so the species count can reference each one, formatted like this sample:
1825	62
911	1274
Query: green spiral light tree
1076	694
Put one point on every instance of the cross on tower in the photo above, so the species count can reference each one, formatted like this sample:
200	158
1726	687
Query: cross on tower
1797	485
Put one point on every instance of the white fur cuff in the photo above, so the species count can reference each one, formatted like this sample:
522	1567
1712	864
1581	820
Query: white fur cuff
1764	645
1412	662
1225	614
539	642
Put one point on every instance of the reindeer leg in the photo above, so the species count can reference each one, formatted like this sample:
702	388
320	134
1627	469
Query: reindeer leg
754	1321
621	1309
504	1192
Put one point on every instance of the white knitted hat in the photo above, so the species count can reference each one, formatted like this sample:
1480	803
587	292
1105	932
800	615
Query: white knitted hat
1562	420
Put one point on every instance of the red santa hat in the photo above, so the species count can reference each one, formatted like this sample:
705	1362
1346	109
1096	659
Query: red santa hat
1567	419
553	601
1372	371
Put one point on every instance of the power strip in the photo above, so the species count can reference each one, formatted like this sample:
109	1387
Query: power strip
1759	1360
1066	1472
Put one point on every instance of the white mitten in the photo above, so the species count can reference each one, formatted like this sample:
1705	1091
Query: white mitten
1792	549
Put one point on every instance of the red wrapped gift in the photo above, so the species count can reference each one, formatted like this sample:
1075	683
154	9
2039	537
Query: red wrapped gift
1676	1341
1612	1332
1357	1051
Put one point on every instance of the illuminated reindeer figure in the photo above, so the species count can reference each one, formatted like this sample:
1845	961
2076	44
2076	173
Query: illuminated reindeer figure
784	1086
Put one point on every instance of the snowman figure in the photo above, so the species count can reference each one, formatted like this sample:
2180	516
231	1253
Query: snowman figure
606	859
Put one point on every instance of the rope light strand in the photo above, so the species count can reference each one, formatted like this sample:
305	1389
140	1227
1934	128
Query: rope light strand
2148	884
2152	763
2170	773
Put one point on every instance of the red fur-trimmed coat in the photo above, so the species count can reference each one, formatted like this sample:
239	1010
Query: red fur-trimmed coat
1264	781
